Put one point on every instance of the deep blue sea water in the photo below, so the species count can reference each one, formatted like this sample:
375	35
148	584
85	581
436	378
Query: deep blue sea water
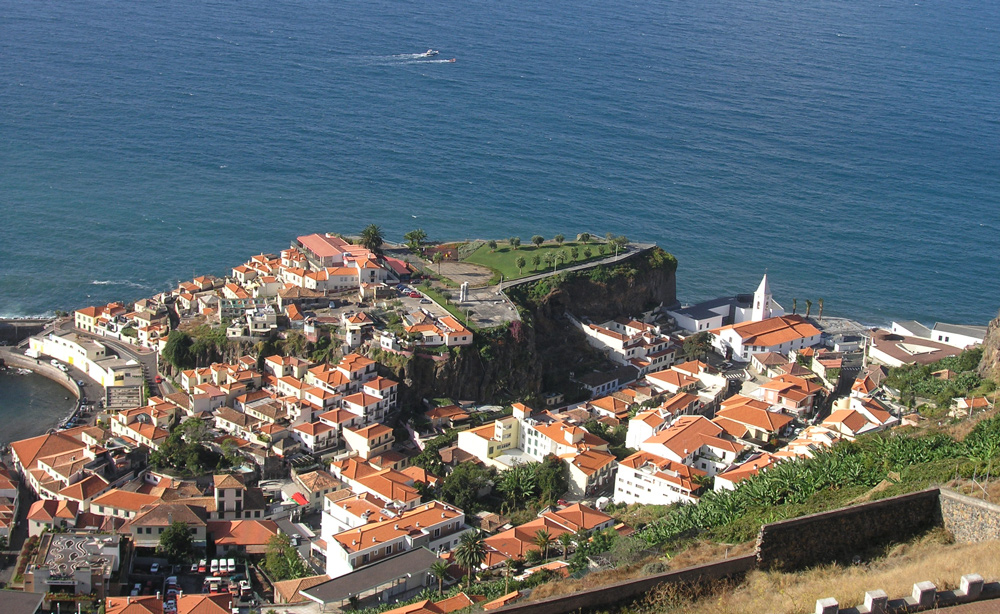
849	147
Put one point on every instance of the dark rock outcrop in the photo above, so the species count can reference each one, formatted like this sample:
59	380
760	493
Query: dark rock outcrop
525	359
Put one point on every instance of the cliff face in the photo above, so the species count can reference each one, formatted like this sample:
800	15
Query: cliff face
989	366
536	355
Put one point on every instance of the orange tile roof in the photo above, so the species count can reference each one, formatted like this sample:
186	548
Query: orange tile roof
769	421
219	603
124	500
670	377
688	434
750	468
772	331
853	420
85	489
147	604
287	591
411	522
591	461
578	517
242	532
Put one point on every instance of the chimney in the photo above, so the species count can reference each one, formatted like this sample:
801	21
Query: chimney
158	594
396	526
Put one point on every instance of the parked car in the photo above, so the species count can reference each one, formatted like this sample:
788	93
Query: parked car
172	581
214	567
201	566
230	565
154	568
414	295
296	539
158	379
194	567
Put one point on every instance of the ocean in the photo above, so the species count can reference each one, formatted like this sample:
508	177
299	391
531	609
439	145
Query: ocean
849	148
30	405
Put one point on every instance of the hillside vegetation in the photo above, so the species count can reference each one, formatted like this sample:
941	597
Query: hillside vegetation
896	461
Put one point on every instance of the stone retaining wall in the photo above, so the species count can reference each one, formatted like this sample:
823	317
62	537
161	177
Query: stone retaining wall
968	519
841	534
625	591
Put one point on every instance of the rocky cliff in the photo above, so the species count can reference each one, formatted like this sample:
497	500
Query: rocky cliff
536	355
989	366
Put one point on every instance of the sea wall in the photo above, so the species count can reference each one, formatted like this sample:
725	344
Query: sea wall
841	534
20	361
969	519
16	330
625	591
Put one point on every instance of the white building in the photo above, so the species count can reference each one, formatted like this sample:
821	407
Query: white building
435	526
781	334
728	310
653	480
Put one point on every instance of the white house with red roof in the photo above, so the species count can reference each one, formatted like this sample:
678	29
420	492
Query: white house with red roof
649	479
782	334
697	442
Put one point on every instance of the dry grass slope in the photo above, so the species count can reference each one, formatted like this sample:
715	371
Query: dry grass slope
929	558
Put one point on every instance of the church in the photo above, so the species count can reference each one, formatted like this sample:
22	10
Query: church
728	310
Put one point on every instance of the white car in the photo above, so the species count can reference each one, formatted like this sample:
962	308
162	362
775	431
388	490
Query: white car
154	568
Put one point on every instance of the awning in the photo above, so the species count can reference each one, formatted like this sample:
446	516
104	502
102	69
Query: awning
300	499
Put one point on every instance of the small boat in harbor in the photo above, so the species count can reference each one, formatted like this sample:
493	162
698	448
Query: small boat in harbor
429	53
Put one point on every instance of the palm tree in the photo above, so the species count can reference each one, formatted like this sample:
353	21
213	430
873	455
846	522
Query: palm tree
492	244
587	252
508	569
544	540
559	239
438	257
371	237
550	260
519	263
584	237
471	552
561	257
574	252
820	301
538	240
566	540
415	237
439	569
515	242
809	306
536	260
795	305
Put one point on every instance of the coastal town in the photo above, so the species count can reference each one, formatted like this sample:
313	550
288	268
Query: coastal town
257	440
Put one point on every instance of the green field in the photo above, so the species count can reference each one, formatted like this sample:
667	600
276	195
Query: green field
504	258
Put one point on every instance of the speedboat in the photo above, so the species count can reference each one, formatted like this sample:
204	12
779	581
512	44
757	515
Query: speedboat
429	53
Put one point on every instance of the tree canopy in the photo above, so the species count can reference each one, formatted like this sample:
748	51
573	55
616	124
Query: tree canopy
371	238
176	542
282	560
177	350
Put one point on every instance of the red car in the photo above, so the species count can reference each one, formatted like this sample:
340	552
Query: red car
414	295
159	380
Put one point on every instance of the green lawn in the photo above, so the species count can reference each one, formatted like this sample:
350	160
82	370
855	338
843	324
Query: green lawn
503	260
